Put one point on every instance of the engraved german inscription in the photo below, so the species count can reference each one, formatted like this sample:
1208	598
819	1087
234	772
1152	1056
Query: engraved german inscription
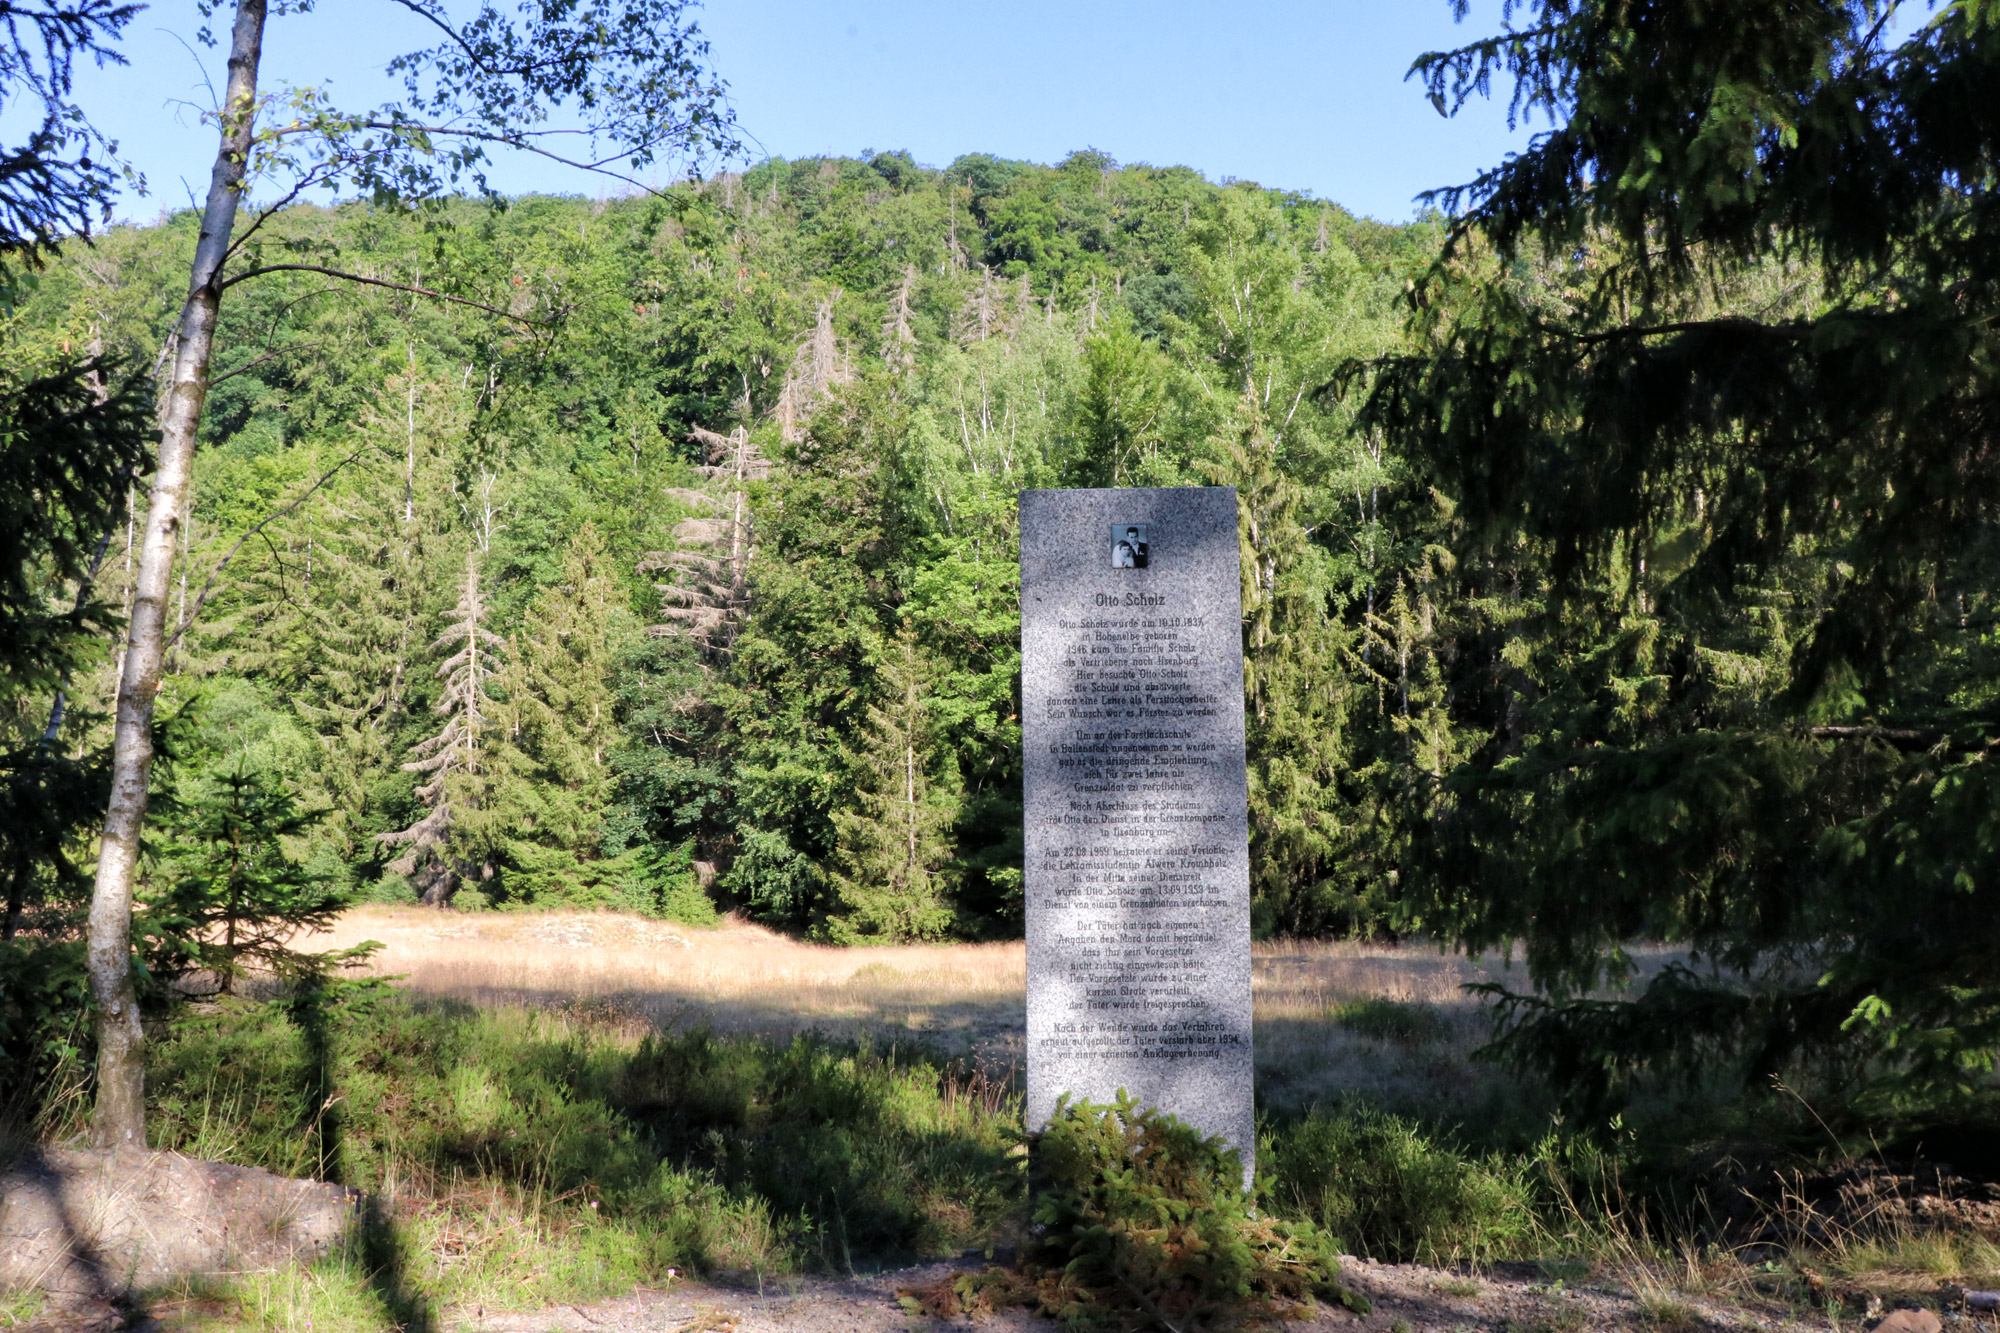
1137	864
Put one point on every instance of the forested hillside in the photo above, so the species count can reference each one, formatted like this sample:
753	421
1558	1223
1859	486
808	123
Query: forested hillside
661	552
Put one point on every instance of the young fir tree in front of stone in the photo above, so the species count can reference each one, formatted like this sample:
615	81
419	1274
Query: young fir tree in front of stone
892	845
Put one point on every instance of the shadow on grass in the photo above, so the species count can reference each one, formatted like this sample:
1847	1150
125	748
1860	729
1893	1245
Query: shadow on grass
376	1238
635	1151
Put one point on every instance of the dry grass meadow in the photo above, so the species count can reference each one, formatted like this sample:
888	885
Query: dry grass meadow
1322	1027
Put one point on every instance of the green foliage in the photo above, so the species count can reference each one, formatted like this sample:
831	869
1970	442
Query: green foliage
1121	411
72	437
70	442
795	393
1391	1192
1700	386
472	766
706	1153
225	894
46	193
889	850
43	992
1146	1221
1390	1020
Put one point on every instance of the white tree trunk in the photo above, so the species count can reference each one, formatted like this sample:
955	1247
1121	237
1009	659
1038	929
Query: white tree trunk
120	1113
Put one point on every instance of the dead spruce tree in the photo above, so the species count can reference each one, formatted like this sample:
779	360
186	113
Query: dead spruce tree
707	591
818	367
979	315
899	340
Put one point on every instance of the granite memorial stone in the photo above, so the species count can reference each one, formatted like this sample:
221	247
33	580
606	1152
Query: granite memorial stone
1138	869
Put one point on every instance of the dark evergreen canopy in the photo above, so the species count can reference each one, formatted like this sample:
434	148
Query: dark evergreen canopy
1707	384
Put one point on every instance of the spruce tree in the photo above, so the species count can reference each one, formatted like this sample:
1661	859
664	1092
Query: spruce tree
819	366
1706	385
228	893
892	842
899	340
69	444
708	568
979	315
562	715
463	761
373	560
1295	688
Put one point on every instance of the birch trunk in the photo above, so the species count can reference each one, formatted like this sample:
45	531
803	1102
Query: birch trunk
120	1115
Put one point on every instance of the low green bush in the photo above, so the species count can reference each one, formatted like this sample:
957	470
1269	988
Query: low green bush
43	991
1143	1221
1393	1192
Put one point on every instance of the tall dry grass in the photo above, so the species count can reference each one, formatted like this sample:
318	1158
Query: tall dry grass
967	999
735	978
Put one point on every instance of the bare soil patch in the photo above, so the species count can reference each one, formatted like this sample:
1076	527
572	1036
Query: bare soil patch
1516	1298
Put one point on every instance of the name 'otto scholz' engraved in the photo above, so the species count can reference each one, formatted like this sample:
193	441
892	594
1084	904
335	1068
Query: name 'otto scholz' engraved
1138	875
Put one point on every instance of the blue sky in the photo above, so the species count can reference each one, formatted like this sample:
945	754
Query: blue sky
1307	96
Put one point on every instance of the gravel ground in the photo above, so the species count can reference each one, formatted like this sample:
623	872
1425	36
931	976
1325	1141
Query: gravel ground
1516	1298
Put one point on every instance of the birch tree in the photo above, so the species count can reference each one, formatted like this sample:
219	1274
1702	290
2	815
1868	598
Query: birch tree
630	74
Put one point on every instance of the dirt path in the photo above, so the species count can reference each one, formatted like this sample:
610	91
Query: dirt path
1420	1300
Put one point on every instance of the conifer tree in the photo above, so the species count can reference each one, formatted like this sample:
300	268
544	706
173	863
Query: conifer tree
1726	573
818	367
462	762
229	893
893	844
979	317
898	339
708	594
374	559
1121	409
68	447
560	701
1294	685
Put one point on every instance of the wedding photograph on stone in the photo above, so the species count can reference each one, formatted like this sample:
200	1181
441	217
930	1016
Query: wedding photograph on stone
1128	546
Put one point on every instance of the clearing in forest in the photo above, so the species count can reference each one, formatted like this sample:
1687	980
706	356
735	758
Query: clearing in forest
1391	1022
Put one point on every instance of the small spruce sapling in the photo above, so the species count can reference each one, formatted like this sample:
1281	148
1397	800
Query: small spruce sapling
1145	1220
228	896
